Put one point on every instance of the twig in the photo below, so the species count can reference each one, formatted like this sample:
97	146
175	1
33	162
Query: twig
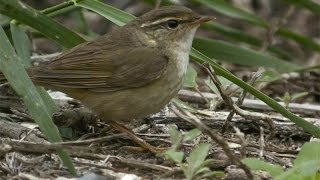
93	140
25	116
5	169
242	140
262	144
4	84
24	146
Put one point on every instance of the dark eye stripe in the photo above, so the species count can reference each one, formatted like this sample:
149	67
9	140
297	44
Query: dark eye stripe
165	23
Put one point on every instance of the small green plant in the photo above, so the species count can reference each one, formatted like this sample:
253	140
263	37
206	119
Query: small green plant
190	79
306	165
196	164
288	98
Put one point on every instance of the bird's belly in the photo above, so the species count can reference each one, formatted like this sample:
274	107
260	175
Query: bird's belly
142	101
135	102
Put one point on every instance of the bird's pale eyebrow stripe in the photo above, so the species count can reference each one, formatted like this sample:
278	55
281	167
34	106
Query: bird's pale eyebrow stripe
159	21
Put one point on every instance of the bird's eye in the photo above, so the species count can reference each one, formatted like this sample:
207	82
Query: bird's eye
172	24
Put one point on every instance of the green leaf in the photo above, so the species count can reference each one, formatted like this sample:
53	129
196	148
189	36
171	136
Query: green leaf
184	105
302	40
68	133
202	170
309	151
219	174
113	14
290	174
175	136
256	164
308	4
212	86
240	36
286	98
299	95
4	20
224	82
40	22
175	156
223	7
232	33
197	157
269	76
12	68
306	170
22	44
60	9
191	135
228	52
190	79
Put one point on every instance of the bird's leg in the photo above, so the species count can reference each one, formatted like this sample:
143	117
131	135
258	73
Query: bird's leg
135	138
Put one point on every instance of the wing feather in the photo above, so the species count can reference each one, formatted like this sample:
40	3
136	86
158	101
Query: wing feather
97	67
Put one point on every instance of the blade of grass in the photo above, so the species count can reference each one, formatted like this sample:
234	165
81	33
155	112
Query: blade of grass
232	33
111	13
12	68
226	51
21	44
54	10
226	8
40	22
302	40
240	36
308	4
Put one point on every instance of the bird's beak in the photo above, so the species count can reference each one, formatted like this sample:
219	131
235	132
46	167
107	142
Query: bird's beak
202	19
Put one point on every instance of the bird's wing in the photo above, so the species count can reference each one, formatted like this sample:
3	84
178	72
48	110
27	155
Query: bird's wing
96	67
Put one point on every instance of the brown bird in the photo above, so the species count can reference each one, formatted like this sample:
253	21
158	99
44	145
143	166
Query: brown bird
131	72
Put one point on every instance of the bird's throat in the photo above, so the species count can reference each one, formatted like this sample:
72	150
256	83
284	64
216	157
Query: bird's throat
180	53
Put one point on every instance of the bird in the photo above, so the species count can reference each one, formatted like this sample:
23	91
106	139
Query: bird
131	72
